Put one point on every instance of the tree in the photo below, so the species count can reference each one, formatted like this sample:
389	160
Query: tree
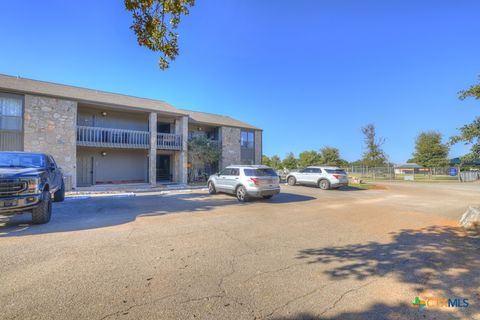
202	152
473	91
154	24
307	158
470	133
430	151
290	162
266	161
330	156
276	162
373	156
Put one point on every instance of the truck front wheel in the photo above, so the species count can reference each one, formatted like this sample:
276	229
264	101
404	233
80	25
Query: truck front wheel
42	213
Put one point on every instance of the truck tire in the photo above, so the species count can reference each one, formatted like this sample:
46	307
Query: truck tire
324	184
59	196
241	194
291	181
42	213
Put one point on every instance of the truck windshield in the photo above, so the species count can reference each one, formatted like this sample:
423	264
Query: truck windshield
263	172
21	160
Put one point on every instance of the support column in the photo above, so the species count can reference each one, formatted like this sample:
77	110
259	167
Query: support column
152	153
181	172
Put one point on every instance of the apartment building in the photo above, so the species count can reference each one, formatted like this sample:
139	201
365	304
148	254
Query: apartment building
100	137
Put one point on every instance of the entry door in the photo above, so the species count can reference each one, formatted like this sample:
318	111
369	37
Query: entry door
84	171
163	168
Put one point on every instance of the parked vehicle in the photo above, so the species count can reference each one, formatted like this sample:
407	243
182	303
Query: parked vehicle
323	177
28	182
255	181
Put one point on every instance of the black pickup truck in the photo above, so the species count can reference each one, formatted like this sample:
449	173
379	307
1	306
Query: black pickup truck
28	182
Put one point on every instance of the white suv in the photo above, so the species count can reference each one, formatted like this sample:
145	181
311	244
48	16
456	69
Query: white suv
245	182
323	177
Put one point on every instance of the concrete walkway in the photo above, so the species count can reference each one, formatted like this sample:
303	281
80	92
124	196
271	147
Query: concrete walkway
131	188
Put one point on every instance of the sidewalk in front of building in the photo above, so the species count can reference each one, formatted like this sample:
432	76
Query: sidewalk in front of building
131	189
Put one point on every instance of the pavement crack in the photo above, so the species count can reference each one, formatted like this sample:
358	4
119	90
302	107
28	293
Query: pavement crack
334	305
124	311
271	271
303	296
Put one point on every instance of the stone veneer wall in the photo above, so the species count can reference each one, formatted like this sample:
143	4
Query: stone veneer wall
50	127
258	147
230	139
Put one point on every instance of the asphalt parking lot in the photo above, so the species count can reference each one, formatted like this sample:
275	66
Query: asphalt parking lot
305	254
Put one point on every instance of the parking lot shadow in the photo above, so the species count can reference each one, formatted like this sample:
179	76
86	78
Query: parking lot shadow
379	311
99	212
440	259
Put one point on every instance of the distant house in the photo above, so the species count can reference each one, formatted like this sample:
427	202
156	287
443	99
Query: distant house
409	168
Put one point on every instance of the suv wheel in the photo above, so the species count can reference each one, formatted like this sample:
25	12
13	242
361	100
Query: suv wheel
59	196
242	194
324	184
211	188
291	181
42	213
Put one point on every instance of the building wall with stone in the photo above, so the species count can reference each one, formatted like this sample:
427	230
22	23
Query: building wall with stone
230	141
258	147
50	127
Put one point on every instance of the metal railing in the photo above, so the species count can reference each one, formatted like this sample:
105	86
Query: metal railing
109	137
169	141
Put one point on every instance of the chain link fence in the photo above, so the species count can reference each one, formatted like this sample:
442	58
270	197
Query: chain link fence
422	174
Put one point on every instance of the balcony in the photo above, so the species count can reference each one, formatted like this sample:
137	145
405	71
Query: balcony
112	138
169	141
123	138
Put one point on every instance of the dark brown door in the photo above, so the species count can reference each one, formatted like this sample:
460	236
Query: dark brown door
163	168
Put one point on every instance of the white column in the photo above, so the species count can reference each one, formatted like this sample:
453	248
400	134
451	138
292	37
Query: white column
152	154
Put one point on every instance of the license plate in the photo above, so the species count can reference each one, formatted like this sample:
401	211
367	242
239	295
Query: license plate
8	203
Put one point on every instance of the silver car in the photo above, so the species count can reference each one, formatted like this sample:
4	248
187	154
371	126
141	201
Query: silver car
245	182
323	177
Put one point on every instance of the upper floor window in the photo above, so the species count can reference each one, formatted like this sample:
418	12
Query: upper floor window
247	139
11	112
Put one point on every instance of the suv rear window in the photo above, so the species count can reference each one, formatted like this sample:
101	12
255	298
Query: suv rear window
260	172
336	171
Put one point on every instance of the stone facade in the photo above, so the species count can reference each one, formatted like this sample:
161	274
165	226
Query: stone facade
50	127
258	147
230	139
152	154
181	158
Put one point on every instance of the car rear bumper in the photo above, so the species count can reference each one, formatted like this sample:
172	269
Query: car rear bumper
21	204
263	192
339	184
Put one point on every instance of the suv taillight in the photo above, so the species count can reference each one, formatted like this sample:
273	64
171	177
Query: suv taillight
254	180
337	176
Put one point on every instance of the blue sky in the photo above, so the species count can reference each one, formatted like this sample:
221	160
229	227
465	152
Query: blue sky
310	73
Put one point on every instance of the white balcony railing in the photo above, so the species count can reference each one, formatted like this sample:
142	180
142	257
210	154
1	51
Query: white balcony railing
123	138
109	137
169	141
